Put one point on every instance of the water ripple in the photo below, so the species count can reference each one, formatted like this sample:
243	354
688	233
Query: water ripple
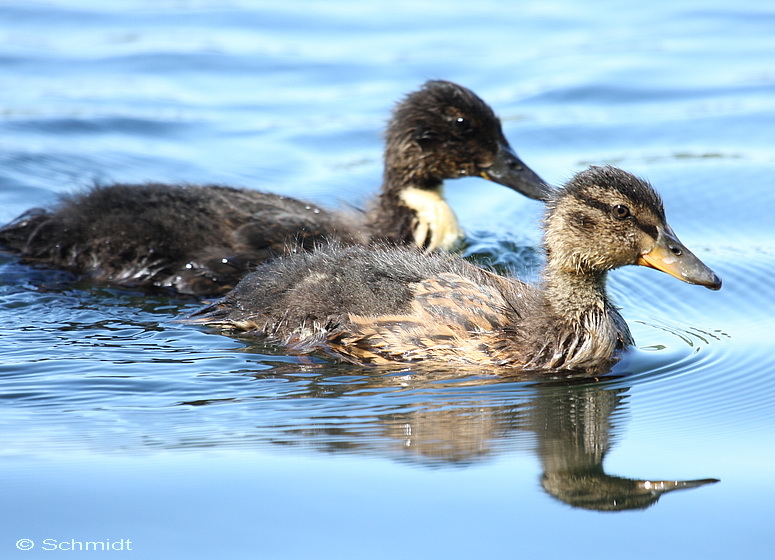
698	378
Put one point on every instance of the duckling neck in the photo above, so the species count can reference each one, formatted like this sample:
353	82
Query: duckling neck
573	294
416	214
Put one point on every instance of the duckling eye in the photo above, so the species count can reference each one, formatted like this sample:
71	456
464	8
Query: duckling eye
620	212
464	124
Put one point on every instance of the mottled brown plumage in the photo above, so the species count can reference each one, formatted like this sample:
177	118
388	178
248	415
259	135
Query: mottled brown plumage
399	305
202	239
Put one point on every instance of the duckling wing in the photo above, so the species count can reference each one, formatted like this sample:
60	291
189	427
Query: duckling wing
450	317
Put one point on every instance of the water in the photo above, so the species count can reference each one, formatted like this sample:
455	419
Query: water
119	424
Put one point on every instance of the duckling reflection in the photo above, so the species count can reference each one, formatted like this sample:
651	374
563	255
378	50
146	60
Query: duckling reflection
435	418
574	427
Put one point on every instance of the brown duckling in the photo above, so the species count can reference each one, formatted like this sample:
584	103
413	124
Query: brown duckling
202	239
399	305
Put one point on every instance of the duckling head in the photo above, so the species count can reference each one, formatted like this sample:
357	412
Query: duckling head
605	218
595	490
445	131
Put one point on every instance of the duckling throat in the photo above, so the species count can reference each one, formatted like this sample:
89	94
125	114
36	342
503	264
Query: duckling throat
573	294
434	225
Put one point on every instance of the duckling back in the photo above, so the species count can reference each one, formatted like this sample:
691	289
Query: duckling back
194	239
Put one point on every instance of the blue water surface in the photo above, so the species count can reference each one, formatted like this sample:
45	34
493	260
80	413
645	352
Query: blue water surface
121	425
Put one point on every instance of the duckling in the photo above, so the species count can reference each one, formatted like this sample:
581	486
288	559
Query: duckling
201	240
396	304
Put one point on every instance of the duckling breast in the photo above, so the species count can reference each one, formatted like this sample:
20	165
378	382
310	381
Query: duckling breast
591	341
435	224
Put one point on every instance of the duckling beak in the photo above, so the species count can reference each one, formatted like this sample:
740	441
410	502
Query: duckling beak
671	256
510	171
663	486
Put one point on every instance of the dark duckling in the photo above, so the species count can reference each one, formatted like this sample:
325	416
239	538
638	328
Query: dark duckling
201	240
399	305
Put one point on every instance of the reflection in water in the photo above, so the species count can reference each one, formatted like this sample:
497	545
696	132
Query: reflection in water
574	428
437	419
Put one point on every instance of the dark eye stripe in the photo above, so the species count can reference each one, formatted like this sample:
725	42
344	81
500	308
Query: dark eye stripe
594	203
607	208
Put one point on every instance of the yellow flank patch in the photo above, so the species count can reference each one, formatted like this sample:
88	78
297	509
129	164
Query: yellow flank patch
436	222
